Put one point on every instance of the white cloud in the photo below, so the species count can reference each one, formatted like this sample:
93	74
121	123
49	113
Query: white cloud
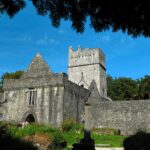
46	40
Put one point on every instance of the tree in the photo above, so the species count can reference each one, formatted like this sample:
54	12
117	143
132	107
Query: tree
14	75
144	87
11	7
110	87
127	88
129	16
122	88
138	141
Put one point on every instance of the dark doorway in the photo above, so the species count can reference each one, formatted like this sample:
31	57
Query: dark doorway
30	118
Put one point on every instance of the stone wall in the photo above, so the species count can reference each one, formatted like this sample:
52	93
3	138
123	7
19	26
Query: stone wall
57	99
47	108
127	116
53	79
74	101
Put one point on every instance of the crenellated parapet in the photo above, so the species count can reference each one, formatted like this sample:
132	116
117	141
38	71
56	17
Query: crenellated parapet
86	56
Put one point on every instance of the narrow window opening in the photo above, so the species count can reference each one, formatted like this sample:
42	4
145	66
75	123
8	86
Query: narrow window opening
31	96
82	85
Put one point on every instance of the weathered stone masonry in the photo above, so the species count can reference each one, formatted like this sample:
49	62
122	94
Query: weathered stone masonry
50	98
126	116
86	65
46	97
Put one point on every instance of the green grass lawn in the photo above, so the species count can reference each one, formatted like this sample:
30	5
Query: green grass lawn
71	134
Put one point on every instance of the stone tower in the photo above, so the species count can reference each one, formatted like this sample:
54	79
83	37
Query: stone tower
86	65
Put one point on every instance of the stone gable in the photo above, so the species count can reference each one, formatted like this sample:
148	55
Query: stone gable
37	68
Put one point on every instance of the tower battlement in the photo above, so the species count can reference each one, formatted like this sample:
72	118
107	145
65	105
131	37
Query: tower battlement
86	56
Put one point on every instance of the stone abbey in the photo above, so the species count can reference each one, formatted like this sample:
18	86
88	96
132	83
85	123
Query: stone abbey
42	96
46	97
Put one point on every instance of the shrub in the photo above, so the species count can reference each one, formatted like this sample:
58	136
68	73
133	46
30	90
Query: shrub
70	124
9	142
58	141
139	141
67	125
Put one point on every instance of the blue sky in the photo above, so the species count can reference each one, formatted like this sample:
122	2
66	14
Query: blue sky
27	33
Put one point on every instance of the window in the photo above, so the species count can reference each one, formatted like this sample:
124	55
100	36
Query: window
31	96
82	85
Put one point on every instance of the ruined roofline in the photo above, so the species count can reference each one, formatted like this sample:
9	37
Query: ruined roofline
73	87
52	80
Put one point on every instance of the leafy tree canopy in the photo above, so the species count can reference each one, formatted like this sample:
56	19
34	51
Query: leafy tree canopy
123	88
144	87
129	16
13	75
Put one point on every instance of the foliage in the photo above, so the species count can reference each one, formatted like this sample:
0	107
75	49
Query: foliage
112	140
56	135
139	141
144	87
11	7
8	141
123	88
129	16
70	124
58	141
30	130
13	75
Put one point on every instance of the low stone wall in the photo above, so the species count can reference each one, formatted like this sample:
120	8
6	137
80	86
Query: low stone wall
127	116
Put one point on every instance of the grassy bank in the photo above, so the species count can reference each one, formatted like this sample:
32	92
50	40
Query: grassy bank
69	131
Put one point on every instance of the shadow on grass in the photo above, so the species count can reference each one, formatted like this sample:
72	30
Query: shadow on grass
139	141
7	142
